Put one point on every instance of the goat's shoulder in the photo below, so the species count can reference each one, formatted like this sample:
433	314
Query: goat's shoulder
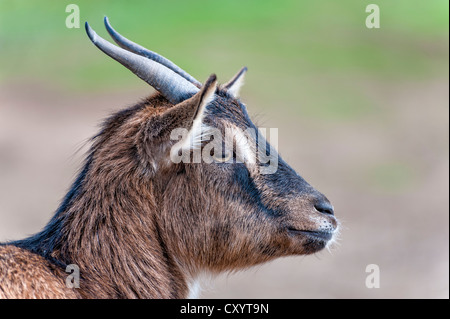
24	274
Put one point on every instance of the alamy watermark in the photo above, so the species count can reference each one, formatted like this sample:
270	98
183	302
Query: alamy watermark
73	280
373	279
250	146
73	19
373	19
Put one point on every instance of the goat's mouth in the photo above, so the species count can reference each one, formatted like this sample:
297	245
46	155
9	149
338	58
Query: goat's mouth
311	234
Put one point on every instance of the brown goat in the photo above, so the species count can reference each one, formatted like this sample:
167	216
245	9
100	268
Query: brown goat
138	224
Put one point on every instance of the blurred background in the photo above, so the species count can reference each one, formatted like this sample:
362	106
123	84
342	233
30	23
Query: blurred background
363	115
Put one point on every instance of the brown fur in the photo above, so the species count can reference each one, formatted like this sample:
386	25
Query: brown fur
27	275
139	226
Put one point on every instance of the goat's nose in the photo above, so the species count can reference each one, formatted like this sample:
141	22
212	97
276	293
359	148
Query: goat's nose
324	206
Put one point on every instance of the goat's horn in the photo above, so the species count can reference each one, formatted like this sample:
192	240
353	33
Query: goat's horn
174	87
136	48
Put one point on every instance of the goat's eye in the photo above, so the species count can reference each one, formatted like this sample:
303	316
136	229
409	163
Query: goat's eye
223	157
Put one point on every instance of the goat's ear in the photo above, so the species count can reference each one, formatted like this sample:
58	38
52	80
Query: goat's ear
187	115
178	129
234	85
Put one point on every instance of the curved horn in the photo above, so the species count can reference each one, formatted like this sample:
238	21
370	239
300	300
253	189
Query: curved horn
174	87
136	48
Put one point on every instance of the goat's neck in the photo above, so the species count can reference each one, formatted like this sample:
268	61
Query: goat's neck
114	233
109	228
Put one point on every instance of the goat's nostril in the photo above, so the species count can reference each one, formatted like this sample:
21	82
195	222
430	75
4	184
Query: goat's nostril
324	207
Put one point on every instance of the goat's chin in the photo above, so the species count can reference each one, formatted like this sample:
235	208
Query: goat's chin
313	246
307	245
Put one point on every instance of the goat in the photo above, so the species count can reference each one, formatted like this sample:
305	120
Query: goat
139	225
